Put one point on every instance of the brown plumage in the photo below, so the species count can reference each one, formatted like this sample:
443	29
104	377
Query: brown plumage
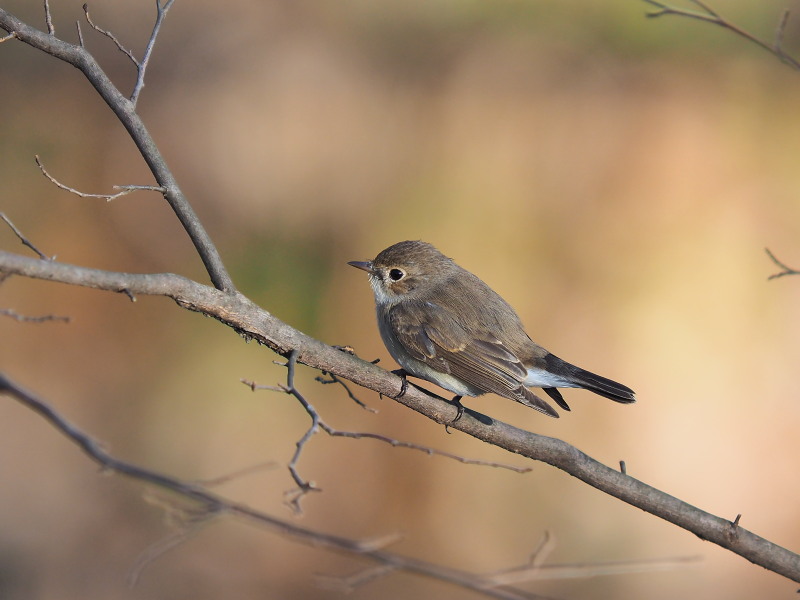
445	325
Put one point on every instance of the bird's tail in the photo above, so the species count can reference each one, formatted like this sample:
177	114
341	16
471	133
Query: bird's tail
590	381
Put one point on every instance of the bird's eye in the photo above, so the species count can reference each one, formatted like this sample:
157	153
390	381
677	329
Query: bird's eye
396	274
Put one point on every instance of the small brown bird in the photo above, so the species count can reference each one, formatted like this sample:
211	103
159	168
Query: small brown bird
443	324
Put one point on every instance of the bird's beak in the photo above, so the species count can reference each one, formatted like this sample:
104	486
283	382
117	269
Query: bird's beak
365	265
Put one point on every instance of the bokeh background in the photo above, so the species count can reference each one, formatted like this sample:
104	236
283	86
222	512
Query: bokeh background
615	178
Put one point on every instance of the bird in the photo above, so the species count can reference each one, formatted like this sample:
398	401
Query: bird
443	324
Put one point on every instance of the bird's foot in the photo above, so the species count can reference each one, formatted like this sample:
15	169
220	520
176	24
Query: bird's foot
403	374
460	407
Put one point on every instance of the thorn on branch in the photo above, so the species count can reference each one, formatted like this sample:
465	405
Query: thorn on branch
785	269
733	529
623	467
128	293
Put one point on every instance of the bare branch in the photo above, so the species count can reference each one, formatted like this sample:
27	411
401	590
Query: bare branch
250	321
48	18
209	505
350	583
10	36
110	36
125	111
294	496
25	241
780	31
334	379
785	269
7	312
161	547
262	466
708	15
586	570
148	51
125	189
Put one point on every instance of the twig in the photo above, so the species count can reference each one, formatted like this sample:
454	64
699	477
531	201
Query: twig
709	15
161	547
215	481
25	241
7	312
586	570
295	495
125	189
110	36
161	13
210	505
77	56
10	36
48	18
350	583
334	379
785	269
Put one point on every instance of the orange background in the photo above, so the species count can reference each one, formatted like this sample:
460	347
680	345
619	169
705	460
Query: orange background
614	178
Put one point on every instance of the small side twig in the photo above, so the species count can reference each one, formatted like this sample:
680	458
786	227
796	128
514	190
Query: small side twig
141	66
110	36
350	583
785	269
148	51
334	379
124	189
48	18
294	496
7	312
215	481
709	15
25	241
161	547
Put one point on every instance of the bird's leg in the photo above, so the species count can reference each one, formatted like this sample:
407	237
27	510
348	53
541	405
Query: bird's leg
403	374
457	402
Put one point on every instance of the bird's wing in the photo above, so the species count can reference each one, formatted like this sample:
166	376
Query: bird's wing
435	337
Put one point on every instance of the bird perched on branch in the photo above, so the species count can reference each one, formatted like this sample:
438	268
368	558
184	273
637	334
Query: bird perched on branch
443	324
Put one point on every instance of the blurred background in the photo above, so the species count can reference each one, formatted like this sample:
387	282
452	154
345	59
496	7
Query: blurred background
615	178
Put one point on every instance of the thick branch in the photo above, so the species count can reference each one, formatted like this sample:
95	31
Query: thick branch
125	110
248	319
